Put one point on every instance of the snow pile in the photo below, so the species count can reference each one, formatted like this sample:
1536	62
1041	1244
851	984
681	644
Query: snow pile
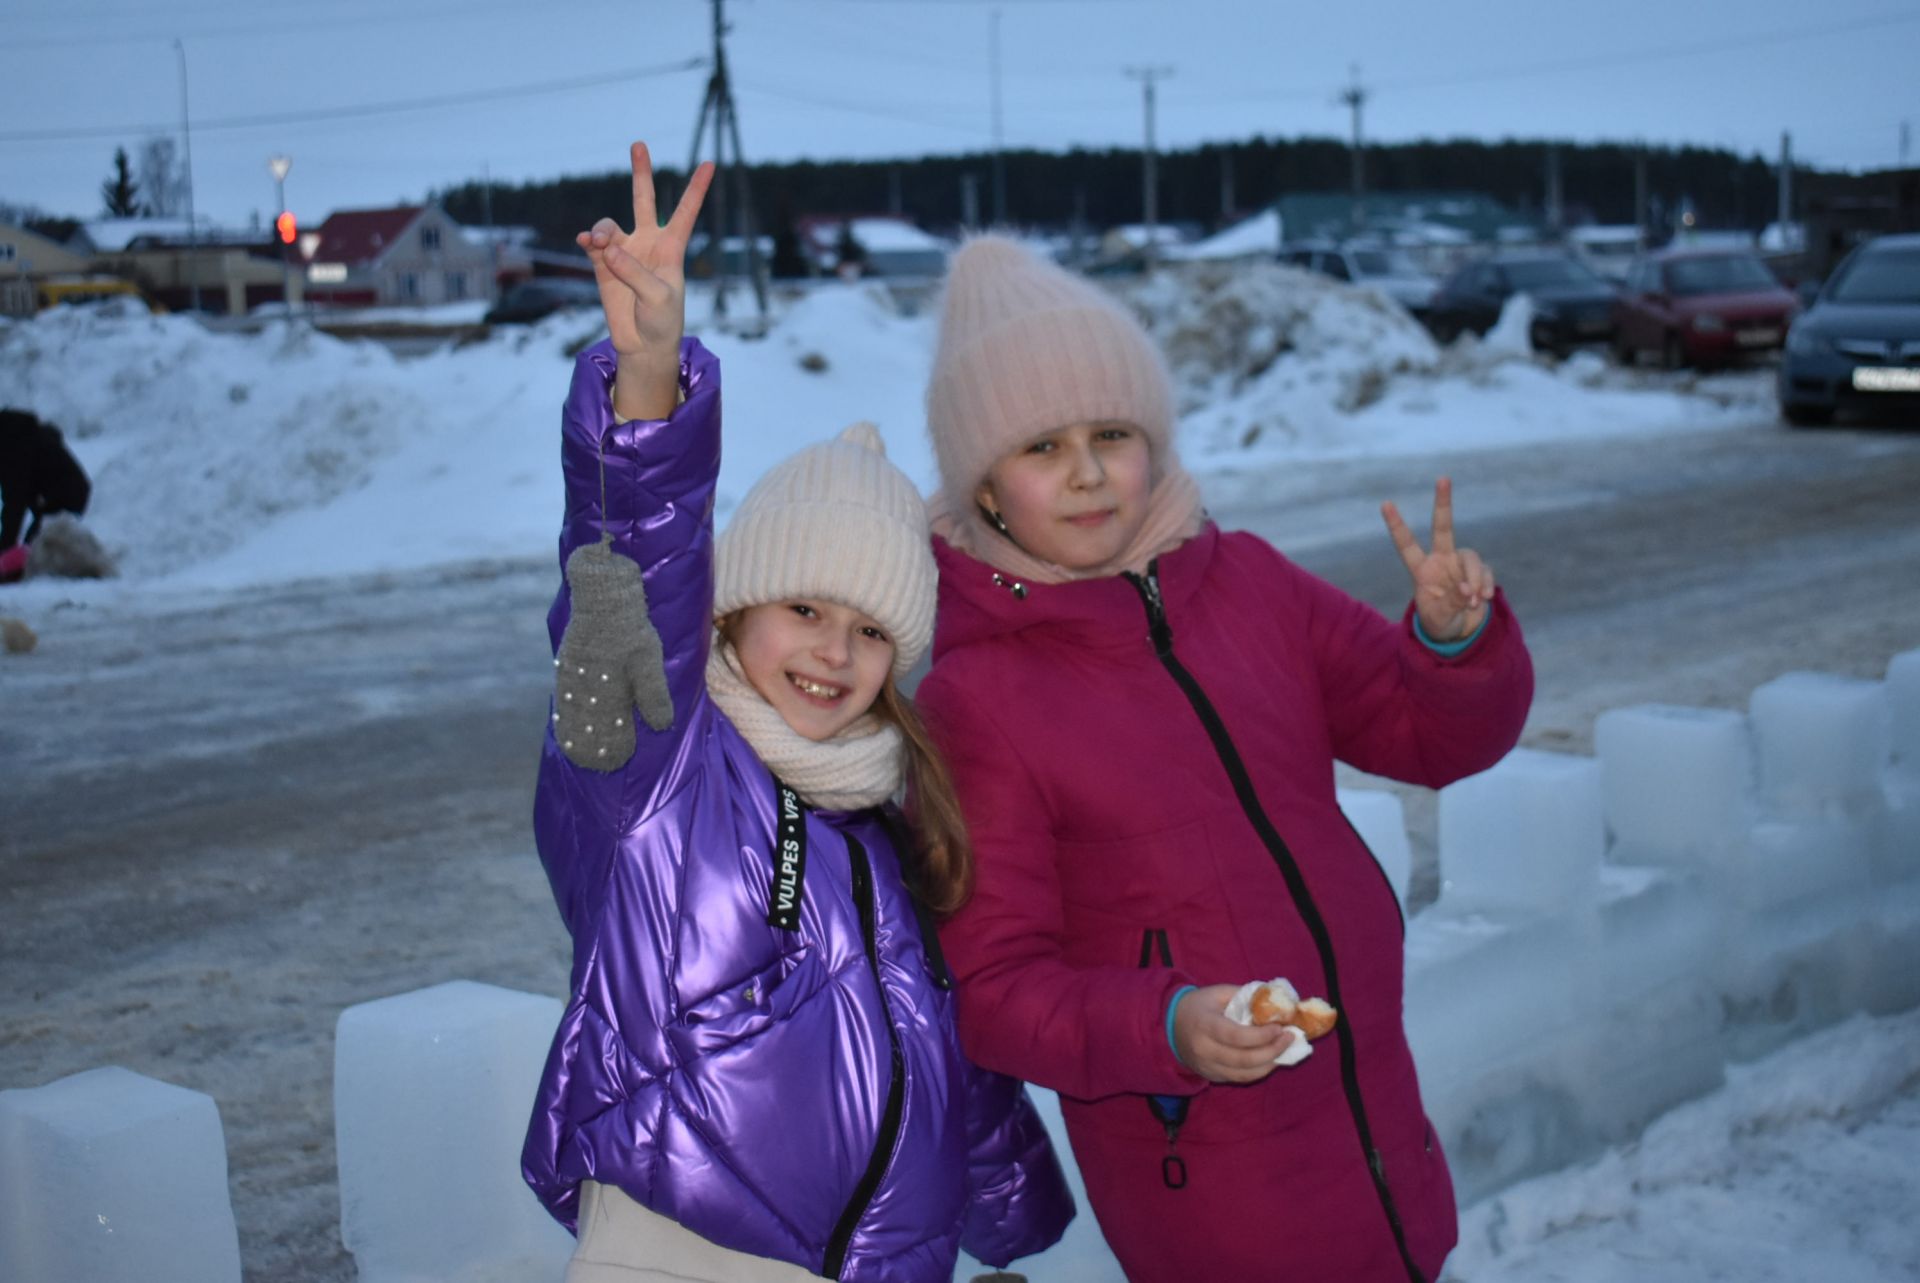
1800	1167
228	458
195	440
1272	363
1512	334
1258	236
1296	336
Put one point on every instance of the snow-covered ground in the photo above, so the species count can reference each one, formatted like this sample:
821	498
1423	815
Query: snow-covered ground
224	460
1802	1168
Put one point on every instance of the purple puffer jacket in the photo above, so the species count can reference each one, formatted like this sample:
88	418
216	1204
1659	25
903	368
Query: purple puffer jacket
798	1095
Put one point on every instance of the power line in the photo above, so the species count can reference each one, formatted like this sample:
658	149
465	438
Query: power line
364	109
98	37
963	124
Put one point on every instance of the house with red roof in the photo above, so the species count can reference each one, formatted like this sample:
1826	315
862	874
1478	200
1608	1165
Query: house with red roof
409	254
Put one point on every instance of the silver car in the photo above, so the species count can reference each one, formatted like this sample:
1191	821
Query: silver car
1858	346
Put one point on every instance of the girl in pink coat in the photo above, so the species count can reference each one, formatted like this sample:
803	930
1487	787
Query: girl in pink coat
1142	714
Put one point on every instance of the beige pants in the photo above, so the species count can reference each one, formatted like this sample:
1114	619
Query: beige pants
623	1242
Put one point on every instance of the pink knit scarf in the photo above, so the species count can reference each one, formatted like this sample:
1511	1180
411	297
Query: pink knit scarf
1174	515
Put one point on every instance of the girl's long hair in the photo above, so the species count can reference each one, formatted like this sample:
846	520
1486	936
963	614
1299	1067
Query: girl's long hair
940	872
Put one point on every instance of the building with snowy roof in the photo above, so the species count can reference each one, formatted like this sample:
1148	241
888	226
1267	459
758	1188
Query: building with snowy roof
26	258
183	265
407	254
890	246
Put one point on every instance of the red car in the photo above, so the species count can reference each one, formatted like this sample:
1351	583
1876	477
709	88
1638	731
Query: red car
1701	308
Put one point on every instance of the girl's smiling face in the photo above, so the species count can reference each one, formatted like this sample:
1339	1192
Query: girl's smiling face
1075	496
820	664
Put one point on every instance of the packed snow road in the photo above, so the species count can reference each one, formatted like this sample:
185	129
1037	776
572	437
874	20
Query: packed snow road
227	816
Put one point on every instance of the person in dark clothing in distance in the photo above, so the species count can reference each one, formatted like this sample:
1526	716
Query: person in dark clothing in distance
38	476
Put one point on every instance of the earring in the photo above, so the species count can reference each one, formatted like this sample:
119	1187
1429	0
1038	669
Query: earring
997	521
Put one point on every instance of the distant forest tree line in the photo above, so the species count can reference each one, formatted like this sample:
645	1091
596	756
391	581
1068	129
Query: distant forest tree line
1103	188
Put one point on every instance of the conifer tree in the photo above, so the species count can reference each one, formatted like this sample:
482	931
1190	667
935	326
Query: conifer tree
121	193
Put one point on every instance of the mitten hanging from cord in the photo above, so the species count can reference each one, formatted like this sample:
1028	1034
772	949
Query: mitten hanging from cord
610	661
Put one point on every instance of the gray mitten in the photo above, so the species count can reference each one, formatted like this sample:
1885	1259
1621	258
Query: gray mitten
610	661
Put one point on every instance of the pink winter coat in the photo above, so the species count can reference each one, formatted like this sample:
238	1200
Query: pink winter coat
1146	766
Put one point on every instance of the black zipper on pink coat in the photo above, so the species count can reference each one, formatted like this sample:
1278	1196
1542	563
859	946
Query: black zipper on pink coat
889	1136
1161	634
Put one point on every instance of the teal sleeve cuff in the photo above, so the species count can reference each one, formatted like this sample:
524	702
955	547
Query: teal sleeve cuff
1173	1004
1450	649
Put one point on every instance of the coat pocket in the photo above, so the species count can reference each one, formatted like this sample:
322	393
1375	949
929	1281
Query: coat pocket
750	1005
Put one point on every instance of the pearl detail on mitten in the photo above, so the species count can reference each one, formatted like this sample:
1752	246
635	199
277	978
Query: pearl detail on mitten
608	633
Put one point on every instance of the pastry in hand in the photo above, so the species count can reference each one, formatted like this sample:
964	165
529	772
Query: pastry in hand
1277	1003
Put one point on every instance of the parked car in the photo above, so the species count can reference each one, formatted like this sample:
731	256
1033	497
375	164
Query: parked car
1572	304
541	297
87	287
1858	345
1382	267
1701	308
1609	249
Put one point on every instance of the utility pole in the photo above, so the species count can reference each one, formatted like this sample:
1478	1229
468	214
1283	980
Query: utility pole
970	201
1640	196
1786	181
1555	214
186	140
486	217
1149	176
999	136
1079	232
1226	183
718	107
1355	97
1906	140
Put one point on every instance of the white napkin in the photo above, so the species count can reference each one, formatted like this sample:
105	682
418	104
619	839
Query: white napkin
1240	1011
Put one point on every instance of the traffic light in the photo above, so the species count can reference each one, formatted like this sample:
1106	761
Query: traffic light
286	227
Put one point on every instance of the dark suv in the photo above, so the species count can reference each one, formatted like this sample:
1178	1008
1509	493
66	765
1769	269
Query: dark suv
1858	346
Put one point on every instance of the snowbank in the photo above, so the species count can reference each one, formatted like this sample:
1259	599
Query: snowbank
223	459
1274	363
1804	1157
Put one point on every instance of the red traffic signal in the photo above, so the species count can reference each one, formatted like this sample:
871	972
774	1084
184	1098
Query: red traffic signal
286	227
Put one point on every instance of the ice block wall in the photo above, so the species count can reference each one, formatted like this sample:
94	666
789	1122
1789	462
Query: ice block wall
1610	932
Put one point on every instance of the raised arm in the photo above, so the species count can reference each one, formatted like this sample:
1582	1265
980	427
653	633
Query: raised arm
1443	694
636	545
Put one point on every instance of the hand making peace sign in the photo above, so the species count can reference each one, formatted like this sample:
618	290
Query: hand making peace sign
1452	589
643	289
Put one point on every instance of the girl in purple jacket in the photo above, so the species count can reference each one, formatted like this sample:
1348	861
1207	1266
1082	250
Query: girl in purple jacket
757	1075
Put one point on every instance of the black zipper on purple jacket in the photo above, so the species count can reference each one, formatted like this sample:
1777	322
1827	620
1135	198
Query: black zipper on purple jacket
1161	634
889	1136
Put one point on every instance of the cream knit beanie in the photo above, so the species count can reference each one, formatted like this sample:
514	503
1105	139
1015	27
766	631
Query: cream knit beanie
839	522
1025	347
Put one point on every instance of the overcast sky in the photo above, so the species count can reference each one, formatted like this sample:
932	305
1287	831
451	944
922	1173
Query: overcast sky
379	101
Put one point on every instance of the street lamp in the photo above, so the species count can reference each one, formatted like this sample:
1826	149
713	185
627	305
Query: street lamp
278	165
186	140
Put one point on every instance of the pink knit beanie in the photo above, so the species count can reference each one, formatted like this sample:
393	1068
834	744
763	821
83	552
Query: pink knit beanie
1026	347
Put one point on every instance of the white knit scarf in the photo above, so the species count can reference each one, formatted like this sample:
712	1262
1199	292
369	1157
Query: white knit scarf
859	767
